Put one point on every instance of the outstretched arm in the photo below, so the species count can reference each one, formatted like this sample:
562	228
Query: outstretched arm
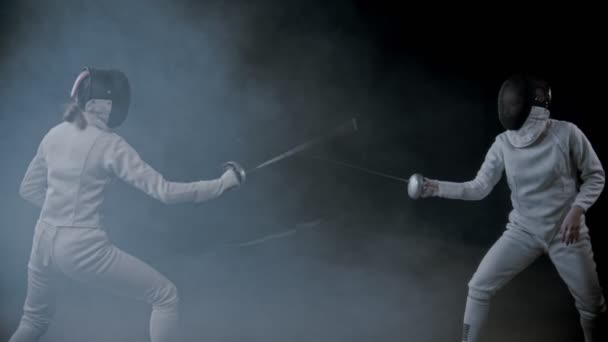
478	188
34	184
127	165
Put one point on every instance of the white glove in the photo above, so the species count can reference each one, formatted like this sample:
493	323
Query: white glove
234	175
430	188
229	179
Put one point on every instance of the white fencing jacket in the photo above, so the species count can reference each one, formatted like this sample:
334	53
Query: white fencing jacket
70	171
550	166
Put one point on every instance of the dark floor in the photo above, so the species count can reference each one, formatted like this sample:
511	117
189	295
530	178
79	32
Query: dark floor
309	287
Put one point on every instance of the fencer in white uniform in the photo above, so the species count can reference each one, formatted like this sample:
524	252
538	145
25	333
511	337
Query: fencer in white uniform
554	176
67	178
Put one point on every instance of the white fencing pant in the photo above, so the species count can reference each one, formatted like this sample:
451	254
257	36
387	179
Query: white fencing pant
88	256
514	251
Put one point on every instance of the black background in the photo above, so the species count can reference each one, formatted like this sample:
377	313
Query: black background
423	83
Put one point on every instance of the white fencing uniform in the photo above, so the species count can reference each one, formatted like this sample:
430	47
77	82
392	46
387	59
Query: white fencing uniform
543	162
67	178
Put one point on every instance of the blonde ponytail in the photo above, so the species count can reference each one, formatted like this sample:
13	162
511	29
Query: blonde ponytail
73	113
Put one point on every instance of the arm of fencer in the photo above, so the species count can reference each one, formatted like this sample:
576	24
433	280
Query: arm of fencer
590	167
34	184
127	165
487	177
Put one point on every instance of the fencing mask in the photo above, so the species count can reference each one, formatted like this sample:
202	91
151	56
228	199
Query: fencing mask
514	102
517	95
108	85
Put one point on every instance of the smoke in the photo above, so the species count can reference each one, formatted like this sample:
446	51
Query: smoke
215	81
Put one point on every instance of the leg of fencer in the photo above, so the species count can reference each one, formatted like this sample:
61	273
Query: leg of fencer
164	323
475	316
134	278
576	267
513	252
125	275
39	306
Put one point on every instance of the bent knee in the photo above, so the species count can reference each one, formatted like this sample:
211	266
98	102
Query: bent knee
35	324
166	296
480	289
479	295
592	308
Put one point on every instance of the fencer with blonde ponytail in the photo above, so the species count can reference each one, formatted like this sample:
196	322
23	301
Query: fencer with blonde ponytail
68	179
